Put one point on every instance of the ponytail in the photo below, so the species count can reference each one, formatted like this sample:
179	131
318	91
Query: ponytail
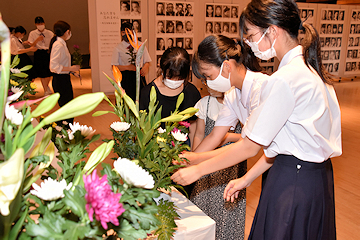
60	27
312	50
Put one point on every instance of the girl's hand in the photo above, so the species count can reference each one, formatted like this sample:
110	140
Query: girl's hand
191	156
234	186
186	176
75	68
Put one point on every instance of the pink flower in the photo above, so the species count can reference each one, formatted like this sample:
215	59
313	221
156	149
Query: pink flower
172	143
101	200
175	130
185	124
76	46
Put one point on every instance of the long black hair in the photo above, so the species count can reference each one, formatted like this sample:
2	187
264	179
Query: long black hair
60	27
215	49
286	15
175	63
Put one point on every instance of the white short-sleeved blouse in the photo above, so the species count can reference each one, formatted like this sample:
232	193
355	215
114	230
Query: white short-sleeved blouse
238	104
297	114
120	56
213	111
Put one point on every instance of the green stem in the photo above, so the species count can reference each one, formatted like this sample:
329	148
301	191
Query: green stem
137	86
5	68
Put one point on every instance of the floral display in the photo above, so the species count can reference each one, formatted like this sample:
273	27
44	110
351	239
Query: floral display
62	190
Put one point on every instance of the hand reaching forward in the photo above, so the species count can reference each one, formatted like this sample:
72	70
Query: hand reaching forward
186	176
234	186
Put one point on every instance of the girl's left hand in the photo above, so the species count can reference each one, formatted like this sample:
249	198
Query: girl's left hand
186	176
234	186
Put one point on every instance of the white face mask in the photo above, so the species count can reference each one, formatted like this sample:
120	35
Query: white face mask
40	27
69	36
173	84
266	55
220	83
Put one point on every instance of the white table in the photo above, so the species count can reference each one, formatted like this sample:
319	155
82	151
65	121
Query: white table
194	224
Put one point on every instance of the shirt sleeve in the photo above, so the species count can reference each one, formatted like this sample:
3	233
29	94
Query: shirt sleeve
55	58
201	105
32	37
227	115
115	57
146	56
13	47
277	102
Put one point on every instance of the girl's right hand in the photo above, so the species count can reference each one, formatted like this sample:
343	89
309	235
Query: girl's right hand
233	188
75	68
191	156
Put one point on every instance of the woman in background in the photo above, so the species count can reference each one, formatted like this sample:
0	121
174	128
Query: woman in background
60	64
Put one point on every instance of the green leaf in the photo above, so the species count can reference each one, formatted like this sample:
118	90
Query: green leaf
127	232
179	101
76	201
100	113
25	68
20	75
30	142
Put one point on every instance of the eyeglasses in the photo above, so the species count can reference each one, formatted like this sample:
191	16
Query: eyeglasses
249	38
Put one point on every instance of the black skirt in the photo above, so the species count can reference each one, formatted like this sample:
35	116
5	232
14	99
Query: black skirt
61	83
297	202
41	63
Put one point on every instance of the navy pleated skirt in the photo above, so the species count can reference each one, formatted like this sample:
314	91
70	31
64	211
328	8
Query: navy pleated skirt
297	202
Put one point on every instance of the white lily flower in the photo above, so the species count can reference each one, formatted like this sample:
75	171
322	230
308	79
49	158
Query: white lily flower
84	129
160	130
13	115
11	176
15	70
15	96
120	126
133	174
15	89
179	136
50	189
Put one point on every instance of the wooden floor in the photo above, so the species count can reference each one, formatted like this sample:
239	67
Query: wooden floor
346	167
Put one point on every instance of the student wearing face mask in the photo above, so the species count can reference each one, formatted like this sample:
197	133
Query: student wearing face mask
121	59
296	121
218	114
60	64
17	48
41	37
173	80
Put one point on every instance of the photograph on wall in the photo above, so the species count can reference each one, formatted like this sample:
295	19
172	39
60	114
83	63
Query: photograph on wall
130	11
222	19
174	24
331	38
352	65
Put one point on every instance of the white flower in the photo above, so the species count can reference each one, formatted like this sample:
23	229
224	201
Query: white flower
84	129
15	70
17	93
133	174
13	115
120	126
160	130
179	136
50	189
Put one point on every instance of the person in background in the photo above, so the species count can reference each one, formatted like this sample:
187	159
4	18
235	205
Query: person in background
218	11
234	12
160	44
170	43
170	28
171	81
60	64
121	59
137	26
125	7
17	48
209	28
180	9
160	9
135	9
41	37
160	27
170	9
188	10
209	11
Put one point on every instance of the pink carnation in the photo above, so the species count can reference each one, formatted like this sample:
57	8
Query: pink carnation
175	130
185	124
76	46
172	143
101	200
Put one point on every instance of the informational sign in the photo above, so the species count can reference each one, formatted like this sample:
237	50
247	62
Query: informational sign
352	65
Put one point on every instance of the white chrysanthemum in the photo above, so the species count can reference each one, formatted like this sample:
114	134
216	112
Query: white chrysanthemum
17	93
133	174
179	136
160	130
120	126
13	115
15	70
50	189
84	129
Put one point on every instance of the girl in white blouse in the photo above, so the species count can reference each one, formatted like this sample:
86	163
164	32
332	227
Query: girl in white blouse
60	63
296	122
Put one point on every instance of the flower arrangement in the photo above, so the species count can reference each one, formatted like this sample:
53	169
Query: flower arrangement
45	196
